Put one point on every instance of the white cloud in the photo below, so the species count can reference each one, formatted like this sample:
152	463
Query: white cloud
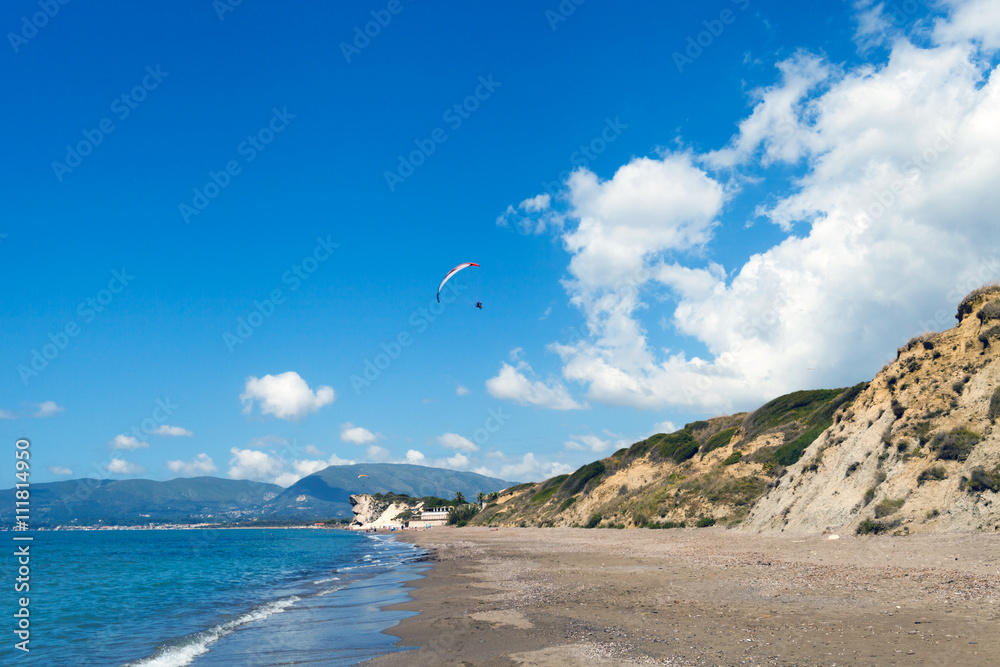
971	20
416	458
530	468
356	434
254	465
172	431
873	24
532	216
123	441
376	453
648	207
122	467
536	203
202	464
61	470
285	396
889	221
6	414
592	443
663	427
47	409
776	124
335	460
269	466
300	469
514	384
457	462
456	442
462	390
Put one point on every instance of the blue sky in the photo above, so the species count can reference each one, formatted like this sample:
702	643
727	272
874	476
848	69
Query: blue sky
680	210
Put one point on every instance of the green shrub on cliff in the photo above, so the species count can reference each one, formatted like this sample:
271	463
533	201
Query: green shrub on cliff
980	480
994	405
888	506
578	480
932	474
966	305
955	445
732	458
990	311
679	446
870	527
720	439
988	335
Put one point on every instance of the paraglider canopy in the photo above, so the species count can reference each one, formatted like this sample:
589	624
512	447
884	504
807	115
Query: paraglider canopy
452	273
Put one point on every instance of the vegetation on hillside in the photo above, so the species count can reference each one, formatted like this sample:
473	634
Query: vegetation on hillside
694	485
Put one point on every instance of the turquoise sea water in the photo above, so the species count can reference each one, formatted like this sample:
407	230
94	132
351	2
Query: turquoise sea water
167	598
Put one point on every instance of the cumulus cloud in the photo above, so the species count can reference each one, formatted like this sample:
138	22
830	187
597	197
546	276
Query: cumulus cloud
532	216
873	24
172	431
663	427
889	220
277	465
462	390
253	464
300	469
6	414
592	443
458	443
47	409
202	464
514	384
356	434
123	441
529	468
123	467
376	453
457	462
285	396
975	21
415	457
335	460
61	470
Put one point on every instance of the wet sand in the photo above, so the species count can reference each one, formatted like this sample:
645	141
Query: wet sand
564	596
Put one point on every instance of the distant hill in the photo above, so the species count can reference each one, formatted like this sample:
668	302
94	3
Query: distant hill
917	449
333	486
322	495
136	501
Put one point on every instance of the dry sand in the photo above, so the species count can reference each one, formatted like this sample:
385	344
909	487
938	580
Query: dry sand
564	596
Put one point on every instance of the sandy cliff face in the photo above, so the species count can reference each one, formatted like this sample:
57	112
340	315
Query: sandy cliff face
917	451
370	512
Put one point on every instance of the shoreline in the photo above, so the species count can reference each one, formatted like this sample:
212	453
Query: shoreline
565	596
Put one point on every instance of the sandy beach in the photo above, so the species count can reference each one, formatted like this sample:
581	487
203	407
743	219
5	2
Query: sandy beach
554	596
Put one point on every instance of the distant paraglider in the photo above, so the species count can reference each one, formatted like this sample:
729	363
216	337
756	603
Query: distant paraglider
452	273
360	476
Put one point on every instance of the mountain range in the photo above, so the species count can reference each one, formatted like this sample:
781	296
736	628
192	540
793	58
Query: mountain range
320	496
